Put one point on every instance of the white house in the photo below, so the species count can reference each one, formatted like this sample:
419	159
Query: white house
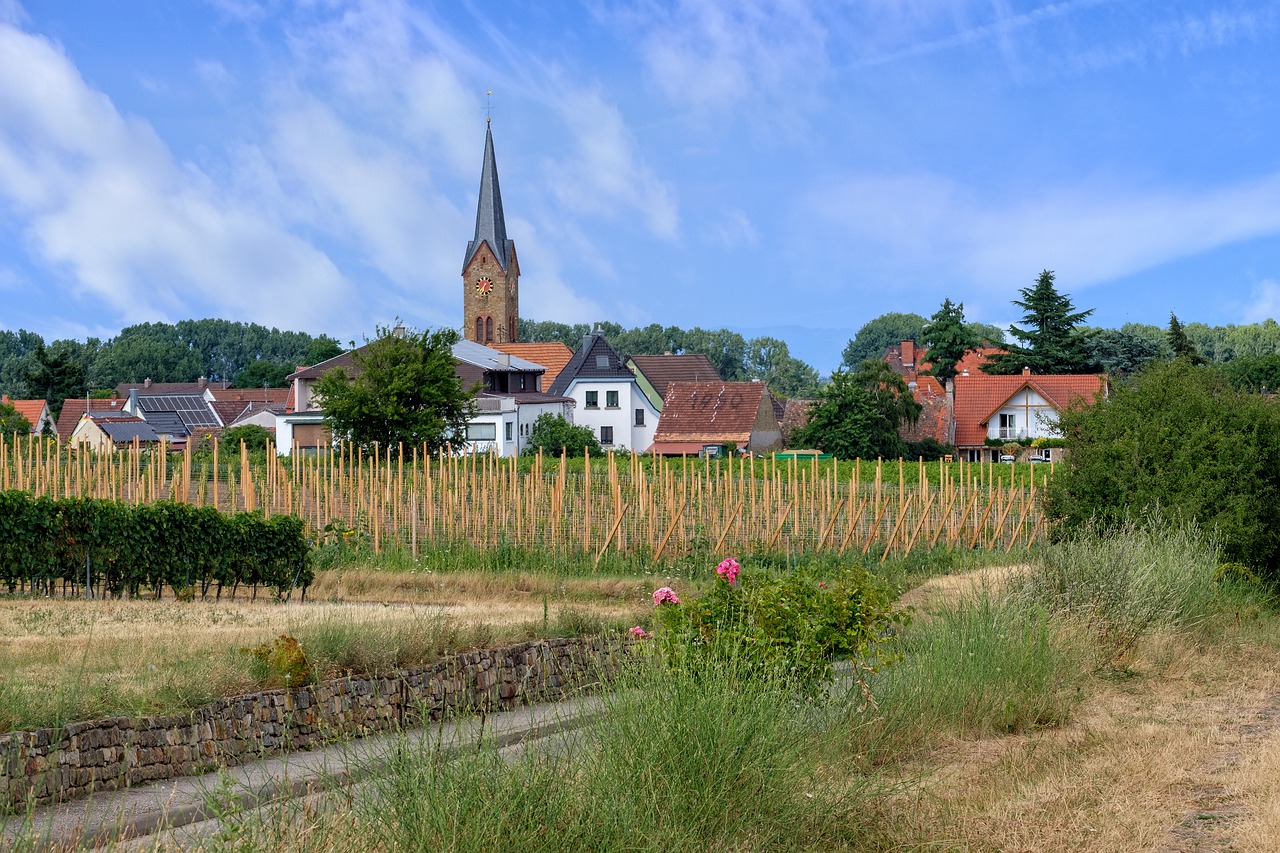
607	397
508	401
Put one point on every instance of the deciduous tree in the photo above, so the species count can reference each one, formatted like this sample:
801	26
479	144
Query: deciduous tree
554	435
879	334
403	388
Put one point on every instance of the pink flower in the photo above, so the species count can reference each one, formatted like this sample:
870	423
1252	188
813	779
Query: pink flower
821	584
665	595
640	633
728	569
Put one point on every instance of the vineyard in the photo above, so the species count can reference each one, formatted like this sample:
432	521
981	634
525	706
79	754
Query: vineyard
655	507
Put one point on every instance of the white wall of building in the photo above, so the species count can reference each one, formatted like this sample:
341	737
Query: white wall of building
620	419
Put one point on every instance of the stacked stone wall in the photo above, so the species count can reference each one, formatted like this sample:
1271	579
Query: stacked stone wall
62	763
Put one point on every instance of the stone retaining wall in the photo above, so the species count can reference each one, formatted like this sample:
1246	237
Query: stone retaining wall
57	764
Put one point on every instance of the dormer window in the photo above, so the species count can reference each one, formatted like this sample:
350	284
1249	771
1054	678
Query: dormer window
602	362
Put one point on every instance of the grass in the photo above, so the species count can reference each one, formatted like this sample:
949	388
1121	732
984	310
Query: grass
1007	724
69	660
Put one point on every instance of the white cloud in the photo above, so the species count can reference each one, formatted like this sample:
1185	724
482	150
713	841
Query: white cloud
734	229
713	56
105	201
1264	302
605	174
1088	234
214	74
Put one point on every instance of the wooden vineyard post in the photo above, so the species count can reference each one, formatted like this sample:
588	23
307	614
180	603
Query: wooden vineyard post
978	528
826	531
893	536
944	523
622	512
727	527
1017	530
924	516
881	509
670	529
853	523
782	520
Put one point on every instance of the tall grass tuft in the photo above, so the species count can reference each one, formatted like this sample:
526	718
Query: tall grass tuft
712	760
987	666
1125	582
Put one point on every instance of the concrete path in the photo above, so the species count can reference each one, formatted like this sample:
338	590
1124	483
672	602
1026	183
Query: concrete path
140	813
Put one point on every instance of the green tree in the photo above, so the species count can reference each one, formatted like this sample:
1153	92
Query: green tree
987	334
264	374
1258	374
860	415
1176	436
554	435
879	334
12	423
948	339
59	372
255	438
1051	342
1180	344
403	388
769	360
1120	353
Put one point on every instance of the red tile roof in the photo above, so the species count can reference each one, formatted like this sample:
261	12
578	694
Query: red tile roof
29	409
663	370
250	395
74	407
553	356
979	396
710	412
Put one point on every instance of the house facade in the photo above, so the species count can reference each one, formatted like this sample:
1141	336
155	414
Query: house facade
36	413
1015	409
607	399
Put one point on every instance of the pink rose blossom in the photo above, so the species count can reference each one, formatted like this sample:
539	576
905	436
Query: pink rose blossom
665	595
728	569
640	633
821	584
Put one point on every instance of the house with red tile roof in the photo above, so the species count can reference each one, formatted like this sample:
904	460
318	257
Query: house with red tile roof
105	432
907	359
36	413
1017	408
73	408
553	356
656	373
697	414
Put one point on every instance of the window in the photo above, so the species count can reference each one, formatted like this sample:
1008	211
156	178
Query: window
611	399
1008	426
606	435
602	362
488	330
593	399
639	417
506	430
479	329
482	432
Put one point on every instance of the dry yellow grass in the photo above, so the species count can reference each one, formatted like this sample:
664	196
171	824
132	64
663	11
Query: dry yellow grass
64	660
1182	754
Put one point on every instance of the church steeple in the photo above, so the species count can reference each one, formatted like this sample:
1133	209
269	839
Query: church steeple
490	270
491	227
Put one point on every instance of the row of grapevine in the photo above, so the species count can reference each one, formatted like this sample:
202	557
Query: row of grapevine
104	547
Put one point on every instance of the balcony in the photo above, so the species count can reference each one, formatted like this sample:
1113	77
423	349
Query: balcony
1011	434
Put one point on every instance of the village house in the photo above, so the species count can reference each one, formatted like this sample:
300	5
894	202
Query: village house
992	411
608	399
36	413
697	415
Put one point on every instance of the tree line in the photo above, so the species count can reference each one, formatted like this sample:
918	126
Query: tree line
246	355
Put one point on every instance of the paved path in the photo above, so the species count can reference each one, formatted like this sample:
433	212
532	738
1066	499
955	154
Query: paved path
160	807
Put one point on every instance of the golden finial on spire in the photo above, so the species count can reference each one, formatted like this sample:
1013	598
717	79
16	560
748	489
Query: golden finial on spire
488	117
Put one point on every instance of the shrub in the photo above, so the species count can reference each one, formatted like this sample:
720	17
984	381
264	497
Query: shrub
282	663
1128	581
1178	437
789	626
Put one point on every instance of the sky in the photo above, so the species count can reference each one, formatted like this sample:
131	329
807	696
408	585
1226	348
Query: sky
771	166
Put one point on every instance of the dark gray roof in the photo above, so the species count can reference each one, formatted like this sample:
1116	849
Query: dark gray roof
119	431
168	423
194	409
595	359
491	227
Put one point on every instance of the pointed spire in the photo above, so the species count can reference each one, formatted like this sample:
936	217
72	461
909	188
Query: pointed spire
491	227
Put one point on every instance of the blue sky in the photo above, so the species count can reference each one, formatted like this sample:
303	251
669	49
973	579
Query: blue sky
766	165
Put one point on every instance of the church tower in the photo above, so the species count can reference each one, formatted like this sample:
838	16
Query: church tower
490	271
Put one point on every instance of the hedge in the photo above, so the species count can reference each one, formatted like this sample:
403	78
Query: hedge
117	549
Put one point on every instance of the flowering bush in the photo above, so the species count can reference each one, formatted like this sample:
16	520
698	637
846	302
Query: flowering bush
728	569
665	595
789	625
640	633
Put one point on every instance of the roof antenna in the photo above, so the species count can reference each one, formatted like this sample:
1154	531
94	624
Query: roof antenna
488	106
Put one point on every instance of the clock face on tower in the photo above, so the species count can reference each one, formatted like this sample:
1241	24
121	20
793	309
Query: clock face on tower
484	286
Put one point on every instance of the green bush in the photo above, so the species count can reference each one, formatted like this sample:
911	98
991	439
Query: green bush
281	663
1178	437
788	626
1126	582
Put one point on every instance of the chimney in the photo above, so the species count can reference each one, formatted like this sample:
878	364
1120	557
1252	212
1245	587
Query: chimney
132	406
1026	371
504	359
398	331
146	383
4	398
908	353
202	383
